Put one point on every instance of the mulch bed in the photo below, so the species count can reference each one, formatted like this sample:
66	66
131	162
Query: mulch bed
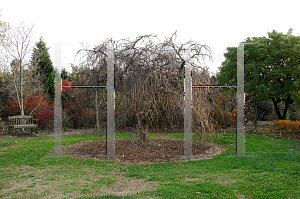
135	152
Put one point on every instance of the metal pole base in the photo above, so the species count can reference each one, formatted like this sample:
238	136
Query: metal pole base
109	156
246	156
189	156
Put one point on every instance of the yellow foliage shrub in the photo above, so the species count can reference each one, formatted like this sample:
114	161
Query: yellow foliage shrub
286	125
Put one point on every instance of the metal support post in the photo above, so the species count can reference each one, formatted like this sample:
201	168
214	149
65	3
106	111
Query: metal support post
188	106
110	131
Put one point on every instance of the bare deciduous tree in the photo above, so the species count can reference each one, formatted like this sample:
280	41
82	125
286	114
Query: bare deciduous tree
149	78
3	37
17	45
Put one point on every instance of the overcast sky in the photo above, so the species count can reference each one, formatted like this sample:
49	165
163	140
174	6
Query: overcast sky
218	24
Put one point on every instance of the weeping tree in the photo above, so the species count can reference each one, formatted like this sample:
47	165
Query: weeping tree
149	79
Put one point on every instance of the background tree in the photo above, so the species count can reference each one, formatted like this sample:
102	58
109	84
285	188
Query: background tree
41	62
272	69
3	73
3	41
64	74
17	45
21	81
257	111
31	84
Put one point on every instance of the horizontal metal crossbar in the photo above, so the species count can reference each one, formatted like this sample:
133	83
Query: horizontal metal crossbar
210	86
75	86
196	86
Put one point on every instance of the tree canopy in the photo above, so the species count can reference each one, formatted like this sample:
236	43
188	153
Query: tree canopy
149	82
41	61
272	69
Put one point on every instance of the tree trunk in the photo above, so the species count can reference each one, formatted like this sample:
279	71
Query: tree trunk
286	106
21	91
143	133
144	136
255	117
22	97
277	110
288	101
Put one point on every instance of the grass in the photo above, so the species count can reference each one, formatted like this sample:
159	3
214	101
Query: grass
28	170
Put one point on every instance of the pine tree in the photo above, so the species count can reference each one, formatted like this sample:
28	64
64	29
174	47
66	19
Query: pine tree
41	61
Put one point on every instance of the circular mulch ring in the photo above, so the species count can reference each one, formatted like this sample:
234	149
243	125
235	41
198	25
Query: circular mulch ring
157	151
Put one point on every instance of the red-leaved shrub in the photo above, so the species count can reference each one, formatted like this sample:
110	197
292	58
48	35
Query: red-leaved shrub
37	106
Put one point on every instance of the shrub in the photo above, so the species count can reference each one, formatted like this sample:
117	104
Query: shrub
286	125
45	117
2	125
76	115
11	107
224	118
37	106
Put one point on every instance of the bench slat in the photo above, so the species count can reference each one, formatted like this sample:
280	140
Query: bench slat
19	117
25	126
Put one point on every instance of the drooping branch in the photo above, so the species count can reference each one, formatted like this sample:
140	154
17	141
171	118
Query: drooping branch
149	79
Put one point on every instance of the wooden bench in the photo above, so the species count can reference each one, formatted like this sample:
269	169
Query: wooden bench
22	122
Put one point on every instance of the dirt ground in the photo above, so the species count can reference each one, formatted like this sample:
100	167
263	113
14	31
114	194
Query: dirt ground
129	151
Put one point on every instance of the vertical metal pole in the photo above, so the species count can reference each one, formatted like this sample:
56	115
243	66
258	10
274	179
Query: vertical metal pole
97	113
187	106
110	130
240	135
57	103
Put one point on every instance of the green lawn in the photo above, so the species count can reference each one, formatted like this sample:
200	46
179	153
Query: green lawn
28	171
